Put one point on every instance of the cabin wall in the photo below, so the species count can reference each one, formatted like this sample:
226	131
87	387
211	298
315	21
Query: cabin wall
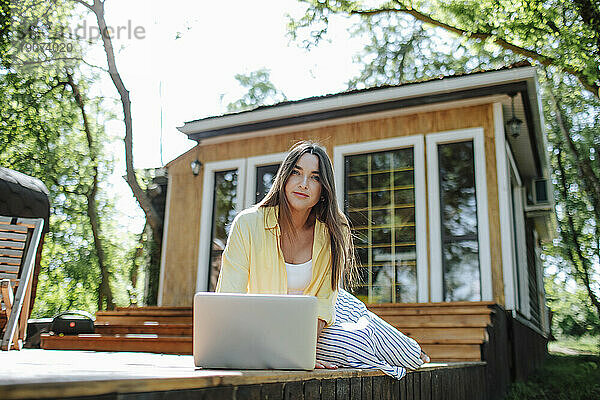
181	249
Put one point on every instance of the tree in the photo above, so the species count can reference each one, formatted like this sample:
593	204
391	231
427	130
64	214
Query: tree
45	111
143	199
260	91
555	33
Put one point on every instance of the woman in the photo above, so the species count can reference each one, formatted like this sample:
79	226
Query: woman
297	241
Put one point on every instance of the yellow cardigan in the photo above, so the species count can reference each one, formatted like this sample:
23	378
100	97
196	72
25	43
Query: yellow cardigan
253	262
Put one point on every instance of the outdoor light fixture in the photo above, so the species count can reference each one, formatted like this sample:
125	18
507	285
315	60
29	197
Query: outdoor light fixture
196	165
514	124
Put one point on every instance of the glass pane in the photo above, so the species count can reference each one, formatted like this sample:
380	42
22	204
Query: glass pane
265	175
458	208
358	163
406	276
379	199
461	271
404	196
403	158
382	294
380	161
381	180
362	293
225	194
457	189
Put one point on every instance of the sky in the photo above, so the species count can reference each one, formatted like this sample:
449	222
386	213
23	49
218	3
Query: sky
182	65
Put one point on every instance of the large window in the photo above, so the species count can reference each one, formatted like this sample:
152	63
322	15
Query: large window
458	218
380	202
458	206
382	190
222	198
224	211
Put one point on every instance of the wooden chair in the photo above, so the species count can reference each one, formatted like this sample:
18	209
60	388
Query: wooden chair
19	239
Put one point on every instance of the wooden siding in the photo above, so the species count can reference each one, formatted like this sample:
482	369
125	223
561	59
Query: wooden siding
181	256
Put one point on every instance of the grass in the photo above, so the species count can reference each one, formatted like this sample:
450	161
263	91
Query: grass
571	376
584	344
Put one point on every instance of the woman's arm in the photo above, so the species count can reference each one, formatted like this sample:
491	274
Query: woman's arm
319	363
233	277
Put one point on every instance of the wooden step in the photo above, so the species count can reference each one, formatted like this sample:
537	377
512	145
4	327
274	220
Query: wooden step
153	308
438	321
425	333
430	310
142	343
447	352
135	316
150	328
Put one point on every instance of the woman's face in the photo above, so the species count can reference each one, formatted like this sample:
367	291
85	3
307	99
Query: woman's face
303	187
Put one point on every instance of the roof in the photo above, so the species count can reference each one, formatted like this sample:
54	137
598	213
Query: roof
212	126
23	196
366	103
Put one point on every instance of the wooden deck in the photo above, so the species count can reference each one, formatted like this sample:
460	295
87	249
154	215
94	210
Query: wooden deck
32	373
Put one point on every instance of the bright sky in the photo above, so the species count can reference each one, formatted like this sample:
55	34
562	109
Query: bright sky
196	72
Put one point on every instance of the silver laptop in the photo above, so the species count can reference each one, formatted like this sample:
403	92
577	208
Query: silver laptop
254	331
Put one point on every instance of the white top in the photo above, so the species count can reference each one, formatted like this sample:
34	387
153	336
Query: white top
298	276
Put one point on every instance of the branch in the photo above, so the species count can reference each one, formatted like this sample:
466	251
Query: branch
591	181
542	59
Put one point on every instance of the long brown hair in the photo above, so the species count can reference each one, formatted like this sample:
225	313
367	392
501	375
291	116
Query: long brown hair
343	258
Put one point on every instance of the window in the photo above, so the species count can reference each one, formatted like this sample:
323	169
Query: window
458	213
382	188
265	175
224	211
222	198
458	219
261	173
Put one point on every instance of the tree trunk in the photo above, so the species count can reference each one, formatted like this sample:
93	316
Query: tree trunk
152	217
580	263
142	198
104	291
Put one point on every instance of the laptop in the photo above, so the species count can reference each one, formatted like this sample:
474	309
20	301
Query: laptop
255	331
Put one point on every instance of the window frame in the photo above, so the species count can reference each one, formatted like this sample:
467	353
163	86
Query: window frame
417	143
435	233
208	184
251	164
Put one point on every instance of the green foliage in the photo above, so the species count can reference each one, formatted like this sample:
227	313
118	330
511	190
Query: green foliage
572	313
401	49
561	377
552	32
260	91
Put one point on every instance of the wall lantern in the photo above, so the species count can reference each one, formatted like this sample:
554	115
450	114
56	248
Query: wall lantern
196	165
514	124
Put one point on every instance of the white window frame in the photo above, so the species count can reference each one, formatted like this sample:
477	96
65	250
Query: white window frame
435	233
519	242
207	207
252	163
163	258
417	143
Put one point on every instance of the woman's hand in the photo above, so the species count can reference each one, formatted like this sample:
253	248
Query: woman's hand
324	364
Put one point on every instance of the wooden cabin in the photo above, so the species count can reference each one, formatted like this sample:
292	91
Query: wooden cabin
446	205
445	182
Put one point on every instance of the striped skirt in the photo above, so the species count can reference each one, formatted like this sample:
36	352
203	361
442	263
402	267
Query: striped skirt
360	339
